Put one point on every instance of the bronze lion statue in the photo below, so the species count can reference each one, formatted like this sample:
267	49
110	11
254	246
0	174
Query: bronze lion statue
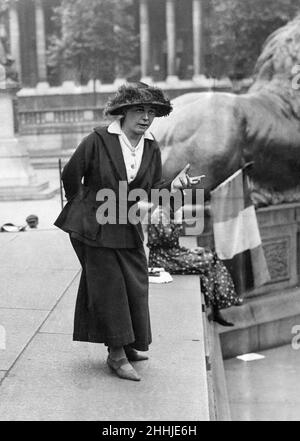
218	132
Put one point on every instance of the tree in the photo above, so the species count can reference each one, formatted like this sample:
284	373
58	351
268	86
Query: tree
96	38
237	30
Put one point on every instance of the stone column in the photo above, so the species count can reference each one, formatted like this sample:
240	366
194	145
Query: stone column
119	68
68	74
145	41
171	41
41	44
198	40
14	35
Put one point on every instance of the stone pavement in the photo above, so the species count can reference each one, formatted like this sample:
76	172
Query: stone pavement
44	375
265	389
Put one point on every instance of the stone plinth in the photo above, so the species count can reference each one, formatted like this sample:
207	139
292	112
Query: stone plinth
261	323
17	177
269	313
278	225
14	164
279	229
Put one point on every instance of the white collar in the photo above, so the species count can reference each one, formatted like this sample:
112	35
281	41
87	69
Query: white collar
115	128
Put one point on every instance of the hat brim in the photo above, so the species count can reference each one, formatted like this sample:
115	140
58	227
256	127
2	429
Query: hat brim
161	109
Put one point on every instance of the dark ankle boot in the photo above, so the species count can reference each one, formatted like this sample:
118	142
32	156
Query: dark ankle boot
217	317
134	355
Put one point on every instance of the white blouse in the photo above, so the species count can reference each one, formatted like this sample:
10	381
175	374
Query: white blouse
132	155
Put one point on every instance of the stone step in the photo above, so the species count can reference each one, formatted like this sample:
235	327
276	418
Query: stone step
34	192
49	377
263	322
49	159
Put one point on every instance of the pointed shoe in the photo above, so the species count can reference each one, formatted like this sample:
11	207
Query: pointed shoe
133	355
117	366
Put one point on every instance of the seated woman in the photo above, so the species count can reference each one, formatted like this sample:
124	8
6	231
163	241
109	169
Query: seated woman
165	251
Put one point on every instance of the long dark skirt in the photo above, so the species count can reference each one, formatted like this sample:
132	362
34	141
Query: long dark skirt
112	300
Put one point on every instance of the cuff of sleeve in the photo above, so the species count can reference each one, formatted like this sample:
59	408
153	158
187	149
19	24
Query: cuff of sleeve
174	190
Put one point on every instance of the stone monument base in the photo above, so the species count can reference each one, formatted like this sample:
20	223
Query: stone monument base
17	178
261	323
30	192
271	313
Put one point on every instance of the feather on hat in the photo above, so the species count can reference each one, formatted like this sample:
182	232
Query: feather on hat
133	94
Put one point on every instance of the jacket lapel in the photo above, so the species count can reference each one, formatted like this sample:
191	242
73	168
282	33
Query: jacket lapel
114	151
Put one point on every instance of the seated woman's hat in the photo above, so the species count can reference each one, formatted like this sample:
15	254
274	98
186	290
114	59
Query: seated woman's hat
133	94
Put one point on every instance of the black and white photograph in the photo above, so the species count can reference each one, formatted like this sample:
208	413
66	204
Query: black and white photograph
149	213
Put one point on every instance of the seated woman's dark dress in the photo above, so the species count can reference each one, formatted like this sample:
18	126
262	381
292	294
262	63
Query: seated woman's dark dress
165	251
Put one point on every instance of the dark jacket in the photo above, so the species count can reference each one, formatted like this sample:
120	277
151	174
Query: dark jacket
99	161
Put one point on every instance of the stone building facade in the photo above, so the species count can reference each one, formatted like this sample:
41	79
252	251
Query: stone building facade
170	32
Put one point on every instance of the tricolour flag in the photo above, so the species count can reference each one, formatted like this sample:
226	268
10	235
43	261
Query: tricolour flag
236	233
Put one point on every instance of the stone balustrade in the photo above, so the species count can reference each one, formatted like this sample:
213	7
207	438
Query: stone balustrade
33	121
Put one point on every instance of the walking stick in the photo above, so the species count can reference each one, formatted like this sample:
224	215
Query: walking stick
60	184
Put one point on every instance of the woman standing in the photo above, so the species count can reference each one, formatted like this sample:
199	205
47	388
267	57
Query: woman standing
112	301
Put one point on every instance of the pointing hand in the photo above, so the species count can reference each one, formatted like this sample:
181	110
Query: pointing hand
183	180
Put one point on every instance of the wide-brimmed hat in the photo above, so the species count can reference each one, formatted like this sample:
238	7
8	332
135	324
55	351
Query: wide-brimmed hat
132	94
